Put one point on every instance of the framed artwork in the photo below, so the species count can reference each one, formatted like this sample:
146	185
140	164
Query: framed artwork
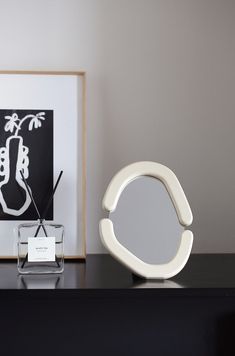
42	131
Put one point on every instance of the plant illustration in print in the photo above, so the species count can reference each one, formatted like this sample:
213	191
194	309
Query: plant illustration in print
26	144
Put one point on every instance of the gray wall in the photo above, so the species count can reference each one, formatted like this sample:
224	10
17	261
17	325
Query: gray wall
161	86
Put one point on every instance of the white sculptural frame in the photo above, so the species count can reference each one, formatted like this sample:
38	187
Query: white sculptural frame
181	205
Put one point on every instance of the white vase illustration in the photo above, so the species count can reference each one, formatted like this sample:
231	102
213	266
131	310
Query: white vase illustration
13	185
14	197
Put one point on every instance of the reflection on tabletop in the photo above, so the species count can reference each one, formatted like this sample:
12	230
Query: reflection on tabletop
167	283
40	281
73	277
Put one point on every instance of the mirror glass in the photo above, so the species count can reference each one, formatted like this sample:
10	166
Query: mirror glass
145	221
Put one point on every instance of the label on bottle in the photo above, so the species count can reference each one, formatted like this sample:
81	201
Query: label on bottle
41	249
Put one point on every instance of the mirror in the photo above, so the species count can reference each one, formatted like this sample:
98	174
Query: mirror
145	221
146	206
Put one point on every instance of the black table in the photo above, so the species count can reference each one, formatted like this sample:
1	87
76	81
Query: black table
100	308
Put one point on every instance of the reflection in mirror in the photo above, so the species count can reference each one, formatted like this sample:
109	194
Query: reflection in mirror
145	221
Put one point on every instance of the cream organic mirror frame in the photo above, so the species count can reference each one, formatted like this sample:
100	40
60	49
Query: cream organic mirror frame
180	203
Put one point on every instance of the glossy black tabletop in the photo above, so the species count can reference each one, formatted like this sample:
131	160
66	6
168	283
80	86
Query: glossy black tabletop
204	274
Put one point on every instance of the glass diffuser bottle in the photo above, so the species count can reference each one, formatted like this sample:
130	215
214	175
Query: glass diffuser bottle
40	244
40	248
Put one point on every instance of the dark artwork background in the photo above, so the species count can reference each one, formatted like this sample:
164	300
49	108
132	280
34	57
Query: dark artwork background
40	144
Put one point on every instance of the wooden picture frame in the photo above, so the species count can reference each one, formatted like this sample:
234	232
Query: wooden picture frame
29	94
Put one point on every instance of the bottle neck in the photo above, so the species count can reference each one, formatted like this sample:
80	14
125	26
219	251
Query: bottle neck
41	221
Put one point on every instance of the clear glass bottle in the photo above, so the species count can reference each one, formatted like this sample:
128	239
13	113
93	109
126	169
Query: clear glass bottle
49	236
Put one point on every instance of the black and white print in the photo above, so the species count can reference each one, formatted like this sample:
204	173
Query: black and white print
26	143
